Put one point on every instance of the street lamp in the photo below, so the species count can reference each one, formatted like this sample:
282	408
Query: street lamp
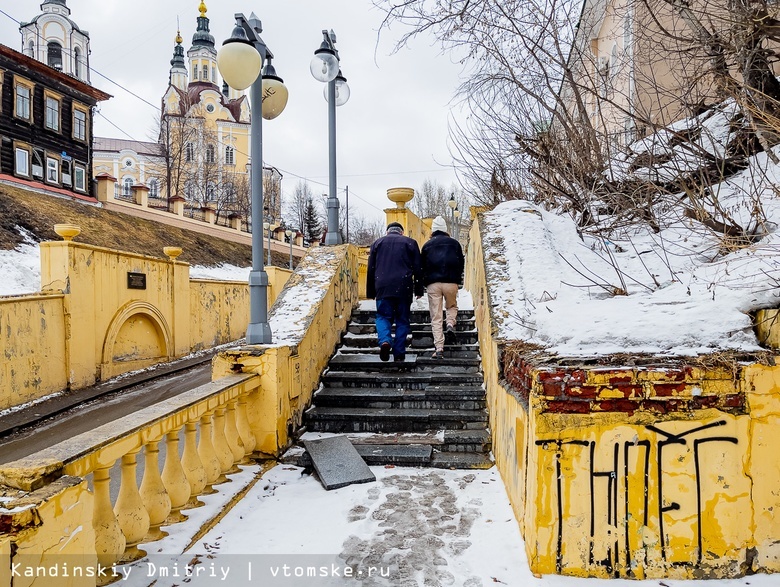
290	234
325	68
456	216
267	226
452	205
240	61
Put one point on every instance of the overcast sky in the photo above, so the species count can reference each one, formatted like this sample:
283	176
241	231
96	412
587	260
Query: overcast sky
391	133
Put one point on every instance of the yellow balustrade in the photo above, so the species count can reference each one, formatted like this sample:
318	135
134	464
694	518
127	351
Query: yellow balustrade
244	429
207	454
109	540
231	433
153	493
129	509
221	447
192	465
176	483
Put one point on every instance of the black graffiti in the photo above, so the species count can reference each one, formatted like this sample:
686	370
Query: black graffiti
610	562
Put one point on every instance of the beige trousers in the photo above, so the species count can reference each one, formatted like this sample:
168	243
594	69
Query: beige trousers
438	293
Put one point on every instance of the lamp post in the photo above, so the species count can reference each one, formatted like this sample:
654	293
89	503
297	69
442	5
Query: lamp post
240	61
267	226
456	216
452	205
325	68
290	234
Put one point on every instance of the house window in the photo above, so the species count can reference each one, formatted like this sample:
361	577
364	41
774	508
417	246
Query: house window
189	152
37	163
22	162
79	125
213	74
67	178
230	156
52	113
210	154
80	178
52	170
127	186
31	49
23	101
55	55
77	62
154	188
195	73
211	192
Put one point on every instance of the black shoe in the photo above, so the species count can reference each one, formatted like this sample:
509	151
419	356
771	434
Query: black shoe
384	351
399	358
449	335
437	355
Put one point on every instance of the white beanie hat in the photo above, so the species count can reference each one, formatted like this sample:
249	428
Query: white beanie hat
438	224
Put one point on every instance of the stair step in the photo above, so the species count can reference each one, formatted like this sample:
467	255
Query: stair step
368	328
366	316
404	454
369	362
389	397
407	380
345	419
461	460
464	351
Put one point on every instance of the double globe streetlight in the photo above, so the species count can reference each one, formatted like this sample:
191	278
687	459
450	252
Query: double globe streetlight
240	62
325	68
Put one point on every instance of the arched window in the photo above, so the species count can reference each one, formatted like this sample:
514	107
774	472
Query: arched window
210	154
194	73
127	186
211	192
31	49
189	152
77	62
154	188
213	74
55	55
230	156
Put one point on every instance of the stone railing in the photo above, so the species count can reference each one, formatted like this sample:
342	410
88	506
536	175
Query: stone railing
53	515
178	213
48	512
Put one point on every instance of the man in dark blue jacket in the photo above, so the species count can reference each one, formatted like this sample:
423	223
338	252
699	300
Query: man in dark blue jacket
442	263
393	278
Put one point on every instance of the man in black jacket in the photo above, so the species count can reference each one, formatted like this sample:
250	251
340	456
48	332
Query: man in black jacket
442	263
394	276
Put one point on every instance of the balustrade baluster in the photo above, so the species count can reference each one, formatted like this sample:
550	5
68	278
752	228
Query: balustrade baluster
232	435
153	492
129	508
174	478
109	539
192	465
208	455
244	429
224	454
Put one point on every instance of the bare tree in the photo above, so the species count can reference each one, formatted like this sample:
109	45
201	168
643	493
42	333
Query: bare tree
295	207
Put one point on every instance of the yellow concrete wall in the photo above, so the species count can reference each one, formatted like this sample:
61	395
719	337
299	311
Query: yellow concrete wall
88	325
32	337
414	226
52	533
362	271
290	371
667	473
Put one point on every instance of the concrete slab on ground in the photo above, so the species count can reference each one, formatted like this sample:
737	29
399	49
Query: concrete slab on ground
337	462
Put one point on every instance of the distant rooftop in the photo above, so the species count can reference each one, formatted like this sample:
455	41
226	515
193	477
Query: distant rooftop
116	145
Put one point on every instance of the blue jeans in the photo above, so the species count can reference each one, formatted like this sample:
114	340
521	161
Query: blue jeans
389	311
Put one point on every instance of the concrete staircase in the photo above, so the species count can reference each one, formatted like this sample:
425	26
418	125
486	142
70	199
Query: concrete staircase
422	412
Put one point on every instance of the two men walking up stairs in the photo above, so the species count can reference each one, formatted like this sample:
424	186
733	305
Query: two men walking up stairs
423	412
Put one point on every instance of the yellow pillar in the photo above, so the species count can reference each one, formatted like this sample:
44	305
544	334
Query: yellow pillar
174	478
224	454
192	465
231	433
207	454
129	509
153	493
109	540
244	429
105	187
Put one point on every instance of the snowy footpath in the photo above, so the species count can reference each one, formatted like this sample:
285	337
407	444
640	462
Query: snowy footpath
411	527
